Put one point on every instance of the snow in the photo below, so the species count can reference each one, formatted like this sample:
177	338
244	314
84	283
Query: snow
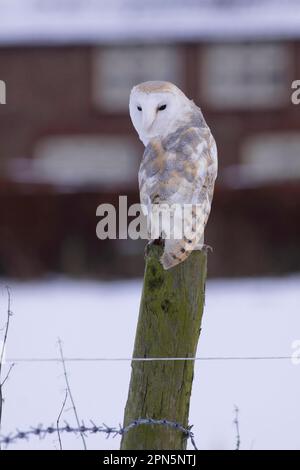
63	21
251	317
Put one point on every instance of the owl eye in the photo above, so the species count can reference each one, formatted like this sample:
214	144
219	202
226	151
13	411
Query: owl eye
139	108
162	107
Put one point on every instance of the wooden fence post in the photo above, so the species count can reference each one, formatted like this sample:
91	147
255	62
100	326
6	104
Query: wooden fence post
169	325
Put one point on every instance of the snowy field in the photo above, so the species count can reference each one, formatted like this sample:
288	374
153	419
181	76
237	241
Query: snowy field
259	317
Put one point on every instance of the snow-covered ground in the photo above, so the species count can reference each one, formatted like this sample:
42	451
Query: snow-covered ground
258	317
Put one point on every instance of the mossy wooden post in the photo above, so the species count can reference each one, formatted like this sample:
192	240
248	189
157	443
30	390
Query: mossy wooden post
168	326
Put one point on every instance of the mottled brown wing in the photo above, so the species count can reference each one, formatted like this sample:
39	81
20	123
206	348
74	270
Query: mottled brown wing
180	169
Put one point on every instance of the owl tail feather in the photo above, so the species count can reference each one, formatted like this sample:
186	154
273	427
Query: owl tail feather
177	251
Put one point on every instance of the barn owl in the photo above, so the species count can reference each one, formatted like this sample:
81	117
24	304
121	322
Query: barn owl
179	164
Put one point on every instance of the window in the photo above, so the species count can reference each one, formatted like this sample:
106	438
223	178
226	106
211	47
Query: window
273	157
117	69
266	158
246	75
82	160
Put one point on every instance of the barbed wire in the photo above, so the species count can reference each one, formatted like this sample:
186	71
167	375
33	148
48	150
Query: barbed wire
42	431
148	359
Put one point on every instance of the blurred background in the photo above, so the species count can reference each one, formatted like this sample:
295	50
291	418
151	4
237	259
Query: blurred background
67	143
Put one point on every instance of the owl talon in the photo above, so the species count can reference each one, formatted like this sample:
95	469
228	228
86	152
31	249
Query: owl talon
147	248
157	241
208	248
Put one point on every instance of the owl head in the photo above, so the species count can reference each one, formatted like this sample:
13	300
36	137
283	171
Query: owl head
156	108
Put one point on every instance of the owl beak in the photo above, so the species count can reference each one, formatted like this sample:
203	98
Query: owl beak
148	119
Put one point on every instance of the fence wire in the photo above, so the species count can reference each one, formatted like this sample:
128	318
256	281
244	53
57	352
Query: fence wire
148	359
42	431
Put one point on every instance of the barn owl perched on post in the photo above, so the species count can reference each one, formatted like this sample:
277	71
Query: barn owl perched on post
179	165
